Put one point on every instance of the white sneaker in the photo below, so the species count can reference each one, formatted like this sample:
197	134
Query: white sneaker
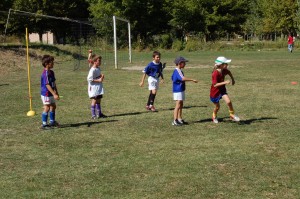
235	118
215	120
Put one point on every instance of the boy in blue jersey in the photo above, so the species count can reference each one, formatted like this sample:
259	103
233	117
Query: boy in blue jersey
49	92
154	71
179	90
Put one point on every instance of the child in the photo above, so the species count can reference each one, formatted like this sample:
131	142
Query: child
49	93
154	71
218	89
179	90
90	58
95	87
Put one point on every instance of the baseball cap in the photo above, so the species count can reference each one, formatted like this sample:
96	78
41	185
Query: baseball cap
222	60
180	59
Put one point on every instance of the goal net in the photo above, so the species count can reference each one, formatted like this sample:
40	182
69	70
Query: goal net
74	37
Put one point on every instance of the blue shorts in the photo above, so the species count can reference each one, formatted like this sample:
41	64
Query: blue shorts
217	99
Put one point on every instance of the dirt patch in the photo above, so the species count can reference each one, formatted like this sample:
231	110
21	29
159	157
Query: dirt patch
140	68
15	60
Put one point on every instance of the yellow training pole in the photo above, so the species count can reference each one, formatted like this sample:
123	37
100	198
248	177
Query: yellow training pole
31	112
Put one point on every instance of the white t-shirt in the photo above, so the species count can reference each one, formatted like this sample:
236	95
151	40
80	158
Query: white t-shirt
94	88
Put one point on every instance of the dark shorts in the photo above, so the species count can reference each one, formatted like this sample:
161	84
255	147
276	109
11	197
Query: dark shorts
97	97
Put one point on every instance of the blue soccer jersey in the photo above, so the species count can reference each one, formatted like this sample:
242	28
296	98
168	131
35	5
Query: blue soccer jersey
178	84
47	77
153	69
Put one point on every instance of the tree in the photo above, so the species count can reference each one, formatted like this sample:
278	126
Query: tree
39	24
226	17
279	16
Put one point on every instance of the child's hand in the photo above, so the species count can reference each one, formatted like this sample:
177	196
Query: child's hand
195	81
162	81
56	96
141	84
227	82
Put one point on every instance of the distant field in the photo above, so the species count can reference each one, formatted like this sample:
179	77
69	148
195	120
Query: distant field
139	154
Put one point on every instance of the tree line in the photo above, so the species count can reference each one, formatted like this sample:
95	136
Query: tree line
207	19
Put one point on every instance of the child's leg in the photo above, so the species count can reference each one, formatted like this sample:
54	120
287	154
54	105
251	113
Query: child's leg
179	116
229	104
45	114
52	113
152	96
98	107
178	109
216	109
149	98
93	106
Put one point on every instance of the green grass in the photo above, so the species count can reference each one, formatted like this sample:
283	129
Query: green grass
138	154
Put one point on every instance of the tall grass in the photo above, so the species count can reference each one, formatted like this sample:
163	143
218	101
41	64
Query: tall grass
139	154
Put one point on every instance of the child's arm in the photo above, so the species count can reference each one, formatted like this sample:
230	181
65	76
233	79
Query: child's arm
143	79
54	92
231	76
222	83
99	79
188	79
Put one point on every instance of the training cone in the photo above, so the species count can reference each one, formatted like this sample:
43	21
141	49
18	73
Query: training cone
294	83
30	113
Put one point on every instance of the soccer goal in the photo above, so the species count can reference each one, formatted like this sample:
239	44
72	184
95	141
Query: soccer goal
117	41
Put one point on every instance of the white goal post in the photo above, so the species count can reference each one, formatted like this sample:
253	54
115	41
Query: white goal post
115	39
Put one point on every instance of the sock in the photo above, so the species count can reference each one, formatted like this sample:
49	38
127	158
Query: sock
214	115
231	112
149	98
93	110
152	99
98	109
52	116
44	118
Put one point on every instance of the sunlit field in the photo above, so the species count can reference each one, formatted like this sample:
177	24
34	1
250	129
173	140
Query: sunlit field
135	153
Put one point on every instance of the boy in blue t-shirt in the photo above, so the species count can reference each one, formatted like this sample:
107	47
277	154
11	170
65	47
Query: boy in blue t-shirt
49	92
179	90
154	71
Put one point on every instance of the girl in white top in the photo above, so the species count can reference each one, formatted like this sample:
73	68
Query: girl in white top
95	87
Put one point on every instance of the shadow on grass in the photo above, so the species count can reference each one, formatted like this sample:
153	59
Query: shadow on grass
184	107
148	111
242	122
250	121
4	84
88	124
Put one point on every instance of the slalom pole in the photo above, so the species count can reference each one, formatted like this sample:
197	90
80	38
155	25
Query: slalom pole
31	112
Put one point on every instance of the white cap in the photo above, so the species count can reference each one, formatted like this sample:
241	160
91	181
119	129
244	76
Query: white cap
222	60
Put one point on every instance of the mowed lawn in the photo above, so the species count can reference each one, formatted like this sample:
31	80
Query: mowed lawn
138	154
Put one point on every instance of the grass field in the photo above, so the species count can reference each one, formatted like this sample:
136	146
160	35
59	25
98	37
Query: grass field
139	154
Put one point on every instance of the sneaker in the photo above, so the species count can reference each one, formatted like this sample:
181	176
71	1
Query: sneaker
148	108
102	116
54	124
182	122
93	117
215	120
234	118
176	123
152	108
45	127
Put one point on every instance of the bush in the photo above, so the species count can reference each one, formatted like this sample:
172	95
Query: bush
177	45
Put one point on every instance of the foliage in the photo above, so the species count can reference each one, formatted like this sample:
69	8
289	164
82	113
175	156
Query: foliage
214	19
